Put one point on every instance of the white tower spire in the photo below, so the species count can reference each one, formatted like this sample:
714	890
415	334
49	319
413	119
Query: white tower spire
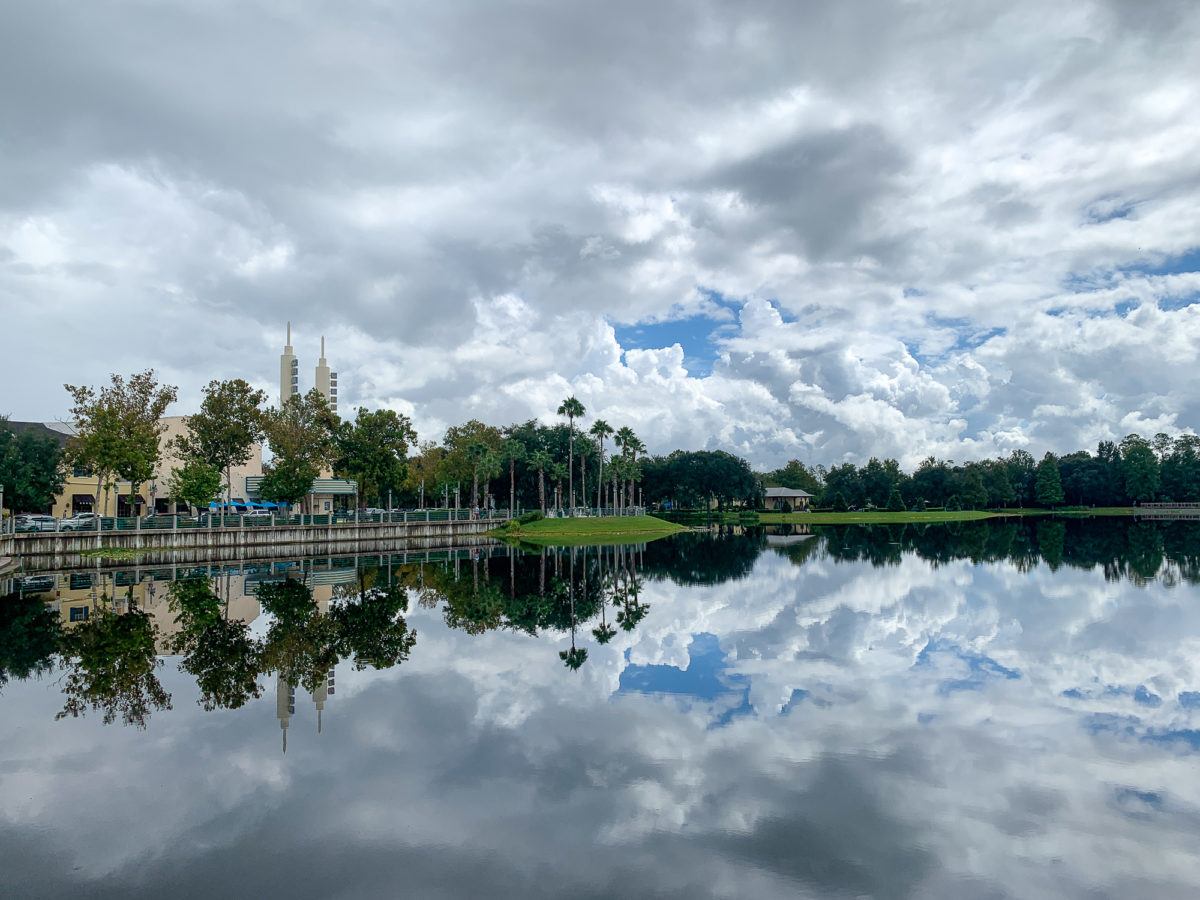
327	382
289	370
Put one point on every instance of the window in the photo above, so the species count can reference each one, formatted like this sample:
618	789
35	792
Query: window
79	613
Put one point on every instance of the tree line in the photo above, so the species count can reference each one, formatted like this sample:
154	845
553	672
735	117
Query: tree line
1133	471
566	464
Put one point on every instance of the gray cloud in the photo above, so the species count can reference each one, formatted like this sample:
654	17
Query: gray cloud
897	178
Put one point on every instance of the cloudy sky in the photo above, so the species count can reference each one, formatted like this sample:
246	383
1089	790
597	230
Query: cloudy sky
817	230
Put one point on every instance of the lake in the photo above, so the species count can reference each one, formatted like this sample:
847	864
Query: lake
992	709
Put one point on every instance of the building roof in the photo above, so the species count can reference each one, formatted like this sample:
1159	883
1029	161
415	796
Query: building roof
319	486
773	492
59	432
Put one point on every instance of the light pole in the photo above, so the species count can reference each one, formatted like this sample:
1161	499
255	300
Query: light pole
1	509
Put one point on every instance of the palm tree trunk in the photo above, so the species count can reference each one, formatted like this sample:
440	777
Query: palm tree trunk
600	476
542	490
571	461
512	487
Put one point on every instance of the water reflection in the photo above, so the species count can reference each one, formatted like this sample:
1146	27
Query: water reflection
1005	709
111	629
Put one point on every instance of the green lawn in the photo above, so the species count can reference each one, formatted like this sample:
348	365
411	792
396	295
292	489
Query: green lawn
882	517
590	530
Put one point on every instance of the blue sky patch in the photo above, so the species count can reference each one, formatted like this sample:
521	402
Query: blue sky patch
696	334
981	669
1143	696
704	679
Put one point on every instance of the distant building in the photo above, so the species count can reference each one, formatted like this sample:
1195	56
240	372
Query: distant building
325	380
783	499
78	493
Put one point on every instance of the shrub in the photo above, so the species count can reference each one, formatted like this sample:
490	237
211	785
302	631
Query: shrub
529	517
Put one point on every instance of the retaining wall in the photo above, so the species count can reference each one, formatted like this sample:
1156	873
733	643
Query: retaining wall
46	550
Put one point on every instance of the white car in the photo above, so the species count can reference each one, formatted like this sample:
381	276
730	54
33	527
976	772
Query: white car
40	522
79	522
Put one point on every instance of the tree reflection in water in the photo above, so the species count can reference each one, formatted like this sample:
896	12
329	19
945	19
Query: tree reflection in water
109	662
547	590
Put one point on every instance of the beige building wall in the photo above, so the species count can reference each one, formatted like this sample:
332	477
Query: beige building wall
77	489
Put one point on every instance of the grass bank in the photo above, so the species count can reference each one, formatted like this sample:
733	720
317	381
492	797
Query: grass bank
589	530
883	517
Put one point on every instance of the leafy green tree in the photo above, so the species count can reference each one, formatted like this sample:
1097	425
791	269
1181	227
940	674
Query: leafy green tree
373	450
301	434
1140	468
31	469
932	483
288	480
220	653
972	492
1048	485
838	502
465	461
1022	475
1179	471
196	483
795	475
996	481
29	637
224	432
111	661
843	480
572	409
118	429
301	645
372	628
895	501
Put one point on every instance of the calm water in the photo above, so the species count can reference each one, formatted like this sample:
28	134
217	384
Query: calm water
947	711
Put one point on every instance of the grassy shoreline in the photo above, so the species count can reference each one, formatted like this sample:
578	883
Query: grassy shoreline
883	517
592	529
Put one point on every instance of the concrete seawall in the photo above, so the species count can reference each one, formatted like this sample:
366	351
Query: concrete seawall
58	550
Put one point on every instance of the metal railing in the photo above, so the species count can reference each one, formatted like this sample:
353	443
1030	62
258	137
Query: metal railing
268	519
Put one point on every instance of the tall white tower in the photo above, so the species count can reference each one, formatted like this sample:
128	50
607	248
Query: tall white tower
289	371
327	380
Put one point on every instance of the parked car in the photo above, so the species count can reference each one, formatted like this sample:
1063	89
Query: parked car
40	522
258	514
79	522
24	524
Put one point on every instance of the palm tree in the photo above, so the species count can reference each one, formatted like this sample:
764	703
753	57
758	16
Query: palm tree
541	461
635	471
513	450
557	473
572	409
600	430
575	657
631	445
481	458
